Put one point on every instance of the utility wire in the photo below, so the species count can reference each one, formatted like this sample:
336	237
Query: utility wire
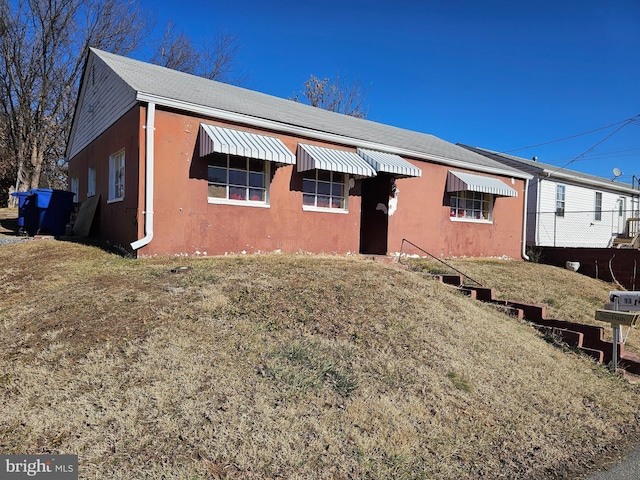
626	122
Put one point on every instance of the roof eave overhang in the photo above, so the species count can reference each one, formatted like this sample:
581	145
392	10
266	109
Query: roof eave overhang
605	185
319	135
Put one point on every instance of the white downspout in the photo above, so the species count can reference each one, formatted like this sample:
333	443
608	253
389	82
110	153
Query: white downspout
148	180
524	223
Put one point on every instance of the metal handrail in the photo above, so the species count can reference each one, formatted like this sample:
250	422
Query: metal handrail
436	258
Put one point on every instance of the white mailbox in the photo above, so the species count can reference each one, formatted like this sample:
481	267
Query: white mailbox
627	301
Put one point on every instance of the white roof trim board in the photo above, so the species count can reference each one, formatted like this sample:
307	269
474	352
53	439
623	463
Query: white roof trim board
459	181
389	163
245	144
313	157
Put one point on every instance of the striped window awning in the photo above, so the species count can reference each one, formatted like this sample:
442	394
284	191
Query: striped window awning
214	139
389	163
313	157
459	181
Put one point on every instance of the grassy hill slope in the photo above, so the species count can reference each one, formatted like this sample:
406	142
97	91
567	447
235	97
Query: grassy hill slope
288	366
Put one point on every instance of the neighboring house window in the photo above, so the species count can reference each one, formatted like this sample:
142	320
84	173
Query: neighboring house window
560	198
91	182
74	188
116	176
471	205
238	179
598	214
323	189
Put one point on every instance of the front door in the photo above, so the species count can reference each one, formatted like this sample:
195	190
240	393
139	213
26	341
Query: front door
374	219
622	215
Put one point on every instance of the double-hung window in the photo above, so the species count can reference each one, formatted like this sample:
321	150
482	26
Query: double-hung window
560	200
75	187
322	189
116	176
471	205
598	211
238	180
91	182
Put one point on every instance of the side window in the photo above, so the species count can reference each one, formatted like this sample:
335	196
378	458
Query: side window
74	187
238	180
323	189
91	182
598	206
116	176
560	200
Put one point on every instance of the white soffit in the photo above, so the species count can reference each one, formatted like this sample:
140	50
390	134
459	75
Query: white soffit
313	157
244	144
459	181
389	163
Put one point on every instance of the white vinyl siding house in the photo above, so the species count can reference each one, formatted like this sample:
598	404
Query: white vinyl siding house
566	208
578	227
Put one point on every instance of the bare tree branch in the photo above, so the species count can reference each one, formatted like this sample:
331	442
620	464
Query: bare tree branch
335	97
215	59
176	51
43	46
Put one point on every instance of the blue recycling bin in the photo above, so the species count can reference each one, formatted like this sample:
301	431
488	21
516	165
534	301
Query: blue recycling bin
53	209
28	215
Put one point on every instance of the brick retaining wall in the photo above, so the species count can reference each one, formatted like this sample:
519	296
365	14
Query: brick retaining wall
598	263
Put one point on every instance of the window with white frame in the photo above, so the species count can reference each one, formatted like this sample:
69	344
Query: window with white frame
560	200
323	189
598	210
91	182
471	205
116	176
74	187
241	180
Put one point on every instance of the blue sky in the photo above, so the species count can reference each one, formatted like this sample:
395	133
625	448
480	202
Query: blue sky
498	74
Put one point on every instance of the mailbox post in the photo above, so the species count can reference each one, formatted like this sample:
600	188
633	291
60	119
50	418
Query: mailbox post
624	309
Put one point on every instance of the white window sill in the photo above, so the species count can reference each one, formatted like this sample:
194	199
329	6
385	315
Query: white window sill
237	203
470	220
309	208
115	200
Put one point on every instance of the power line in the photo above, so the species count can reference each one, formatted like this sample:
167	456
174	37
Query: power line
626	122
634	120
596	156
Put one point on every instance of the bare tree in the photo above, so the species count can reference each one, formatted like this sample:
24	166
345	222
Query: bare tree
176	51
334	96
43	45
215	59
7	166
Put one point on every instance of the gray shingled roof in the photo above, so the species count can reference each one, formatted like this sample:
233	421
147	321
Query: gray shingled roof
173	85
546	168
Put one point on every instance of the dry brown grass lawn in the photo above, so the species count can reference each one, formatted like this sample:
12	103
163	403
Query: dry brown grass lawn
567	295
279	366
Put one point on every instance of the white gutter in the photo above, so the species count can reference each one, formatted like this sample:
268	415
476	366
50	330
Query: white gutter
604	184
524	220
318	135
148	179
